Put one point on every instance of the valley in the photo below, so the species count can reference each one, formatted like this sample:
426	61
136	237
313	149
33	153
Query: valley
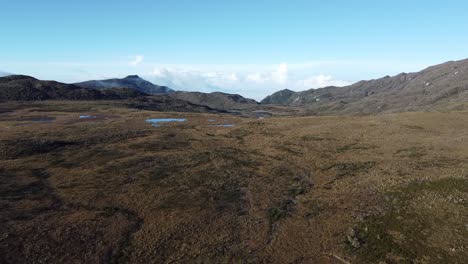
234	132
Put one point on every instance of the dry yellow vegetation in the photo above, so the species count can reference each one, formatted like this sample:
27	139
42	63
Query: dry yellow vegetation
333	189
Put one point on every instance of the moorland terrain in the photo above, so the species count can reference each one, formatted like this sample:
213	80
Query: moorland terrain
112	188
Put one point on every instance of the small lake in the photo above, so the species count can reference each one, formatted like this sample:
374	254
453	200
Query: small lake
155	121
87	116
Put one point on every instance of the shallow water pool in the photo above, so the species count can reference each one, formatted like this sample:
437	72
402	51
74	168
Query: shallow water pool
155	121
87	116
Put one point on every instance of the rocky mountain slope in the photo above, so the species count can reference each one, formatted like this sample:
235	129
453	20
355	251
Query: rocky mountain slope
26	88
280	97
131	81
440	87
216	100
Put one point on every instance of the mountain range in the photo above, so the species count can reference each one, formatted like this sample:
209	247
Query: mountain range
440	87
215	100
26	88
131	81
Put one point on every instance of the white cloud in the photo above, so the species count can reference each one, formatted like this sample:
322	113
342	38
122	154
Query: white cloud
233	77
281	74
256	77
253	84
186	80
137	60
158	72
320	80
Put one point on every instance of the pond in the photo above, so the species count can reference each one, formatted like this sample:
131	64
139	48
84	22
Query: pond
87	116
155	121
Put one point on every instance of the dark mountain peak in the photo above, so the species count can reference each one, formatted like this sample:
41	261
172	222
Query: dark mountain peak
131	81
285	91
132	77
18	77
279	97
216	100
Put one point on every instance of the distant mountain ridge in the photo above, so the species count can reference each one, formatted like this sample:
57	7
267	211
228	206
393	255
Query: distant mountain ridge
26	88
131	81
217	100
440	87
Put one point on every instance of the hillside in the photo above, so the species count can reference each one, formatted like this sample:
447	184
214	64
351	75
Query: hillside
280	97
440	87
164	103
216	100
26	88
131	81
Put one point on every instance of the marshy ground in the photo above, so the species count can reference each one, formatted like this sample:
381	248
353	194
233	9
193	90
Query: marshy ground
114	189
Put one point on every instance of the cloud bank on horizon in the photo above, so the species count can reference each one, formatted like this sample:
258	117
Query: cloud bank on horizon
255	84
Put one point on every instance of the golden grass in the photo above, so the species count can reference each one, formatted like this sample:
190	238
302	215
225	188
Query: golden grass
276	190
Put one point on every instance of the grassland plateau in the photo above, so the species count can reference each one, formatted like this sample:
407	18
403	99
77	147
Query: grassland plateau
111	188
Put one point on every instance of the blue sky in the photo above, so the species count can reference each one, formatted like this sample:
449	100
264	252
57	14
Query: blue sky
248	47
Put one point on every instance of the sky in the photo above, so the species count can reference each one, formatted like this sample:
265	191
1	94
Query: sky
249	47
